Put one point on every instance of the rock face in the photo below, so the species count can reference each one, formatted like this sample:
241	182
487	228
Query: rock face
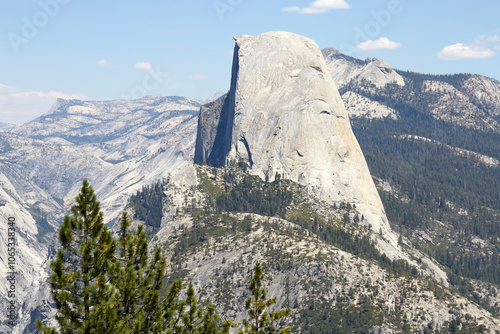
485	91
358	106
344	69
283	114
211	135
453	106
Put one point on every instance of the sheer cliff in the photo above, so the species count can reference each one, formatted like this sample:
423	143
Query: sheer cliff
283	114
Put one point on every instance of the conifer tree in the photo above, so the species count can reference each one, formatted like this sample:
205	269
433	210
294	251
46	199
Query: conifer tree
192	318
138	282
261	321
79	280
198	321
105	286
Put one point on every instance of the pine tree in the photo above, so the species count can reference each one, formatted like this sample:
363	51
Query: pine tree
138	282
192	318
79	280
104	286
198	321
261	321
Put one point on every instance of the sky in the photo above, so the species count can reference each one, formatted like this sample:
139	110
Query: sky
116	49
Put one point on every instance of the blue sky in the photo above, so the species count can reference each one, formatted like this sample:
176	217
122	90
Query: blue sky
104	50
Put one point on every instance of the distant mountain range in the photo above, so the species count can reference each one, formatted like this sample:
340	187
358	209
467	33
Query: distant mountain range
119	146
431	143
6	126
467	100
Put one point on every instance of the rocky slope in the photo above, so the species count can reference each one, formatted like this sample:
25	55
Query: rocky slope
358	106
324	284
119	146
345	69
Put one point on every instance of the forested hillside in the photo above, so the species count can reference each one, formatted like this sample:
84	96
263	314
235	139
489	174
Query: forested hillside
439	179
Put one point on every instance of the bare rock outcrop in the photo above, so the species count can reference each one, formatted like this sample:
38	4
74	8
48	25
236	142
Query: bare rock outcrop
345	69
283	114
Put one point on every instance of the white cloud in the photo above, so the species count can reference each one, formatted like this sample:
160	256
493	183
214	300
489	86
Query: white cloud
319	6
198	76
381	43
143	66
103	62
479	47
4	89
462	51
493	39
18	106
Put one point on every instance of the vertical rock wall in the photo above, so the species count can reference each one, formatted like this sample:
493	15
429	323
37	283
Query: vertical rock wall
283	113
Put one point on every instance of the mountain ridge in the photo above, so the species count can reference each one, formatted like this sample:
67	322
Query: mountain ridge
215	257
